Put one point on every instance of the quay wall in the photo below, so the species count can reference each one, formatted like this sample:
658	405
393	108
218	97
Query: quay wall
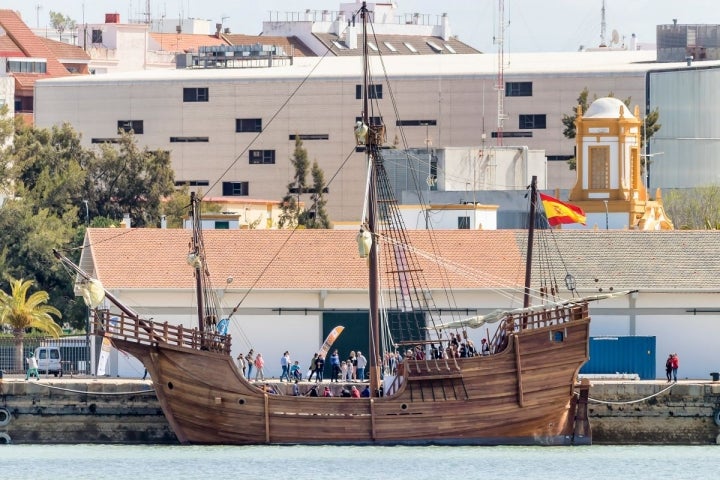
126	411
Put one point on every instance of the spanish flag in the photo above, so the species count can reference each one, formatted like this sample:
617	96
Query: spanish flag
558	212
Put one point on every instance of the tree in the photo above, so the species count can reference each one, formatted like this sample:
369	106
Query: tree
694	208
320	217
127	179
22	312
650	125
291	202
292	214
61	23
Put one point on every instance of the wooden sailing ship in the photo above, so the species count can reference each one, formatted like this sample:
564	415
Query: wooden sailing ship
525	391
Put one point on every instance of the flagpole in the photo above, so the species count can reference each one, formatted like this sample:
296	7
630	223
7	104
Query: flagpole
531	234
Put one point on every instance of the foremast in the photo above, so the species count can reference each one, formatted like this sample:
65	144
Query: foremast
372	145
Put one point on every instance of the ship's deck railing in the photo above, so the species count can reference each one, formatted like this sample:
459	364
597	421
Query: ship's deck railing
531	320
134	329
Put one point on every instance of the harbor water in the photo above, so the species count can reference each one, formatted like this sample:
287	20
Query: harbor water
330	462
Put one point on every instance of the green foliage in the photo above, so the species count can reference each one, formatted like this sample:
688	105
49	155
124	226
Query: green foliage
22	312
293	216
694	208
61	23
127	179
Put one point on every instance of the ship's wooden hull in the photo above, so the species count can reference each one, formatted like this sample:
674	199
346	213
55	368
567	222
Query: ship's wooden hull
523	395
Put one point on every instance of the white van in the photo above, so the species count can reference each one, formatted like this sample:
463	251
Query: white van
49	360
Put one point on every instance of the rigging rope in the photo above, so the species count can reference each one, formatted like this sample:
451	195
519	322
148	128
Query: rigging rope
606	402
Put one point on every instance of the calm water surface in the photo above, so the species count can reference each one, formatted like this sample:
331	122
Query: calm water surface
414	463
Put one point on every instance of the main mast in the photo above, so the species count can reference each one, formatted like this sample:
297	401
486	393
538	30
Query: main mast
531	234
373	264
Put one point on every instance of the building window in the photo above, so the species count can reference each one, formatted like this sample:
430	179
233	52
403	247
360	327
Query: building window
104	140
135	126
532	121
26	66
96	36
374	91
374	121
599	168
311	136
416	123
512	134
189	139
196	94
236	189
262	157
222	225
518	89
463	223
253	125
432	179
192	183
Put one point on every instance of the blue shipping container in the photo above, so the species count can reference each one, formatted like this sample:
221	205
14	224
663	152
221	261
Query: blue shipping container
622	355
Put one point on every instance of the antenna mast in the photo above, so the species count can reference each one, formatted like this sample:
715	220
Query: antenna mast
500	87
603	26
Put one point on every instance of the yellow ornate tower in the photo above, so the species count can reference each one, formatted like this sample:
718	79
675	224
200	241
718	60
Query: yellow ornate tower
609	184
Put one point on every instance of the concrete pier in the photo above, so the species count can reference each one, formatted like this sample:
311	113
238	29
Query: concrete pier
108	410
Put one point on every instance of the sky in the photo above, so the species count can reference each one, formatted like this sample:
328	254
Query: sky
531	25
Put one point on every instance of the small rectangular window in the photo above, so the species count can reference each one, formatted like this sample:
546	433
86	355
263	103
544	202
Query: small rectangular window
374	91
136	126
464	223
262	157
192	183
374	121
311	136
512	134
253	125
189	139
416	123
96	36
104	140
236	189
201	94
532	121
518	89
222	225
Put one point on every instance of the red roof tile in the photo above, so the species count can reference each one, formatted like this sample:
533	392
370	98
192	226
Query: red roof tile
29	43
282	259
299	49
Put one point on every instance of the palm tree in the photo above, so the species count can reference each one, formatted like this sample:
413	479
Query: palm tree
21	312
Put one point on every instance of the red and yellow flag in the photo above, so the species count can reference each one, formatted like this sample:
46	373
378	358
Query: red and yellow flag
558	212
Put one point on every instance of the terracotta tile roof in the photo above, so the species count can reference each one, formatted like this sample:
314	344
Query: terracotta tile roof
8	48
183	42
419	43
327	259
65	51
29	43
280	259
299	49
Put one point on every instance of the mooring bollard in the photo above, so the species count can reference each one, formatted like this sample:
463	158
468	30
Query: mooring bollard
715	376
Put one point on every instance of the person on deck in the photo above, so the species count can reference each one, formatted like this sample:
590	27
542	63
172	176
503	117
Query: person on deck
484	347
361	364
319	367
354	392
250	362
311	368
295	372
259	367
285	364
366	392
335	364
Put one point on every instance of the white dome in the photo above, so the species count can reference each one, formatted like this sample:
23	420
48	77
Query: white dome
607	107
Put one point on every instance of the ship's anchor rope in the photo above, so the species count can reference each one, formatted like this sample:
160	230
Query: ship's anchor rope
632	401
85	392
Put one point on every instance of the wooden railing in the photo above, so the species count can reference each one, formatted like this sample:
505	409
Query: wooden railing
523	321
134	329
